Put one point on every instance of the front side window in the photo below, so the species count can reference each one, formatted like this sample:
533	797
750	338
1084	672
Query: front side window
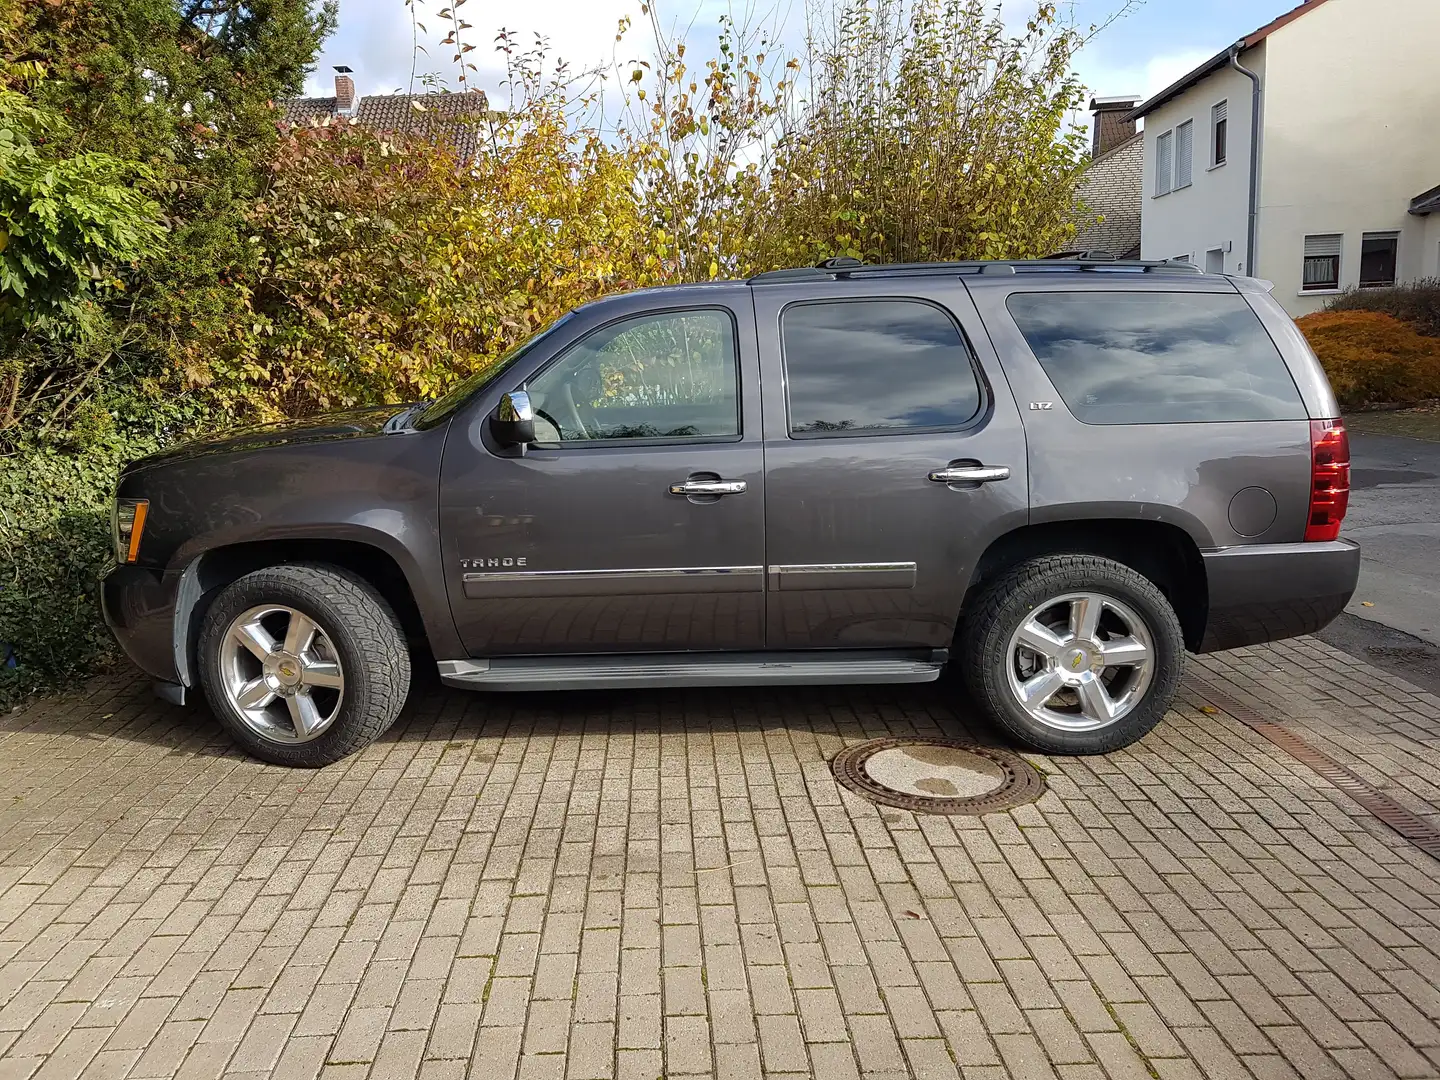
670	377
1157	358
1378	255
1322	262
875	367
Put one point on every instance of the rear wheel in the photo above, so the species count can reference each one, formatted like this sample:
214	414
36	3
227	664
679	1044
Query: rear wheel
1073	654
303	664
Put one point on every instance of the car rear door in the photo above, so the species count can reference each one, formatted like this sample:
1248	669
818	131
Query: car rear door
610	534
894	454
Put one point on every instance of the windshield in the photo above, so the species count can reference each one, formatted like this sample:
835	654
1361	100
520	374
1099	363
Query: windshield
442	407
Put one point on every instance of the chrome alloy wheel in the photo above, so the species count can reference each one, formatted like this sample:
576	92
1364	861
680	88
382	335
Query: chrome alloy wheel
1080	661
281	674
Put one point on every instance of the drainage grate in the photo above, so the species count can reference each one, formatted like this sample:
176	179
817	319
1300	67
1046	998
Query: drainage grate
938	776
1416	829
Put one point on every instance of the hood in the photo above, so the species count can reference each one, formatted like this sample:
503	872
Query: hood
372	422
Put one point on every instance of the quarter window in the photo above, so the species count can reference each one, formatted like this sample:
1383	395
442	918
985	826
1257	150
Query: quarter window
875	367
1157	358
668	377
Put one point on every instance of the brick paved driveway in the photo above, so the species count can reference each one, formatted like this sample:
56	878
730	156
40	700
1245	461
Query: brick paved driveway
648	884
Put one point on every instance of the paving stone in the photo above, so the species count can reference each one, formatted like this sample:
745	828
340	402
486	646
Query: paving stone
671	883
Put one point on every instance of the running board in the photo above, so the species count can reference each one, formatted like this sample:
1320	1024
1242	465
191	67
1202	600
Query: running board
705	669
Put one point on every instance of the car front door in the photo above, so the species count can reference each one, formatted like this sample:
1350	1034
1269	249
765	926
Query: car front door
634	523
894	455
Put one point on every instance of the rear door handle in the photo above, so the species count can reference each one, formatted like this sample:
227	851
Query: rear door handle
709	487
970	474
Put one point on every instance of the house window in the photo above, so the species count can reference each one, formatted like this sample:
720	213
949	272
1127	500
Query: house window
1163	163
1219	129
1184	140
1377	259
1322	262
1215	261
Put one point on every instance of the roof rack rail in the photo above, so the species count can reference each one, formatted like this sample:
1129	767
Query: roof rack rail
1064	262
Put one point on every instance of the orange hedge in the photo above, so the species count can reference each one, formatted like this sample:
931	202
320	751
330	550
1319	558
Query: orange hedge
1374	359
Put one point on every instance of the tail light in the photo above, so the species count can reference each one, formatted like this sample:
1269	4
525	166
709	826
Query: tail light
1329	479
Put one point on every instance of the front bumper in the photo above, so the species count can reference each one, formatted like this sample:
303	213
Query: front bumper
139	605
1266	592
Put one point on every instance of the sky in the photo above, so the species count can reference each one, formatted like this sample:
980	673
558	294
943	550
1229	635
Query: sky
1148	47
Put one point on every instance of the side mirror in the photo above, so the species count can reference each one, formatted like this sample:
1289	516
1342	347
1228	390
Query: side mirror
513	421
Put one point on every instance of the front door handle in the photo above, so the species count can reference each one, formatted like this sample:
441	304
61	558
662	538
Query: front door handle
970	474
709	487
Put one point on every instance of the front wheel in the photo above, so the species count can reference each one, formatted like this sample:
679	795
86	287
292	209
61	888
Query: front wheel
1073	654
303	664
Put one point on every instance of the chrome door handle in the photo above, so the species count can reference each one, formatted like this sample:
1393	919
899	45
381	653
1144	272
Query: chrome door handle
709	487
970	474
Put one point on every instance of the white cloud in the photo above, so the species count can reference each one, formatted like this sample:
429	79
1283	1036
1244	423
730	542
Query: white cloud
1143	79
375	36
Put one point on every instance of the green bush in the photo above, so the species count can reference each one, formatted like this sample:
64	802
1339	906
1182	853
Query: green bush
1417	303
55	542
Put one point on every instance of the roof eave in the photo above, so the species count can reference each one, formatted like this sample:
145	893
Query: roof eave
1427	202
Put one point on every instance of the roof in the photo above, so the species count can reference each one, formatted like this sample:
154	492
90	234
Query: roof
1427	202
1221	59
456	117
305	109
1113	188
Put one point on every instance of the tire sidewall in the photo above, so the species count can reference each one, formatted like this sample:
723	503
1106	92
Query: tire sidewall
260	588
1019	592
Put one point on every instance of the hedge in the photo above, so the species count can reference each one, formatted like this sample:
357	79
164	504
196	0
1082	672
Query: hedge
1374	359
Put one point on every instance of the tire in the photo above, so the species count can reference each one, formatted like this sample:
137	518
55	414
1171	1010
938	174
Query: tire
355	656
997	666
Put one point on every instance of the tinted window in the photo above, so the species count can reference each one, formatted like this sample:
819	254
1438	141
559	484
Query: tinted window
670	376
1157	358
875	366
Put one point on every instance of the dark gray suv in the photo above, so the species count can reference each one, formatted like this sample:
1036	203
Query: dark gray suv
1056	476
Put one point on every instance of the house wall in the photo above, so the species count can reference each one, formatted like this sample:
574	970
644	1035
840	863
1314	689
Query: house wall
1351	135
1430	245
1211	212
1111	189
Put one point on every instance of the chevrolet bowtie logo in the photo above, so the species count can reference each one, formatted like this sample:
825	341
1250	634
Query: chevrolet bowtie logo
1076	661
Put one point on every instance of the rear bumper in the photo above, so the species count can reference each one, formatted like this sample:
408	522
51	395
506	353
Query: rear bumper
1266	592
139	607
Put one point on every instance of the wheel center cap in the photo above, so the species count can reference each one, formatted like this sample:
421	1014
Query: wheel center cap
285	670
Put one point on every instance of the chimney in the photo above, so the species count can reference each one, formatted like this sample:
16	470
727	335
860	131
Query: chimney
345	91
1111	128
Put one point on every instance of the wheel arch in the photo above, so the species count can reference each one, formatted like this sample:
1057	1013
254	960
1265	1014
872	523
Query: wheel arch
1165	554
210	571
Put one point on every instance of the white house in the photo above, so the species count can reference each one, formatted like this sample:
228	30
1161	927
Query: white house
1346	153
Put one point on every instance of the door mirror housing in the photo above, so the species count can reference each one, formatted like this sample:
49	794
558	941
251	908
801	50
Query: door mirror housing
513	421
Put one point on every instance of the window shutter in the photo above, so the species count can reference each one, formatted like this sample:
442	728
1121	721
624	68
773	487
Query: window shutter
1319	247
1162	164
1184	138
1218	112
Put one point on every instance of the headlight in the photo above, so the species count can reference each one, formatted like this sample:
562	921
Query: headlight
129	522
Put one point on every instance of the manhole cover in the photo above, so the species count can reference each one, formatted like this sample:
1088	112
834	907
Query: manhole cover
938	776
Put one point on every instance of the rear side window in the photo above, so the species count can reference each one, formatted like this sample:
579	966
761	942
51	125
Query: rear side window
877	367
1157	358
